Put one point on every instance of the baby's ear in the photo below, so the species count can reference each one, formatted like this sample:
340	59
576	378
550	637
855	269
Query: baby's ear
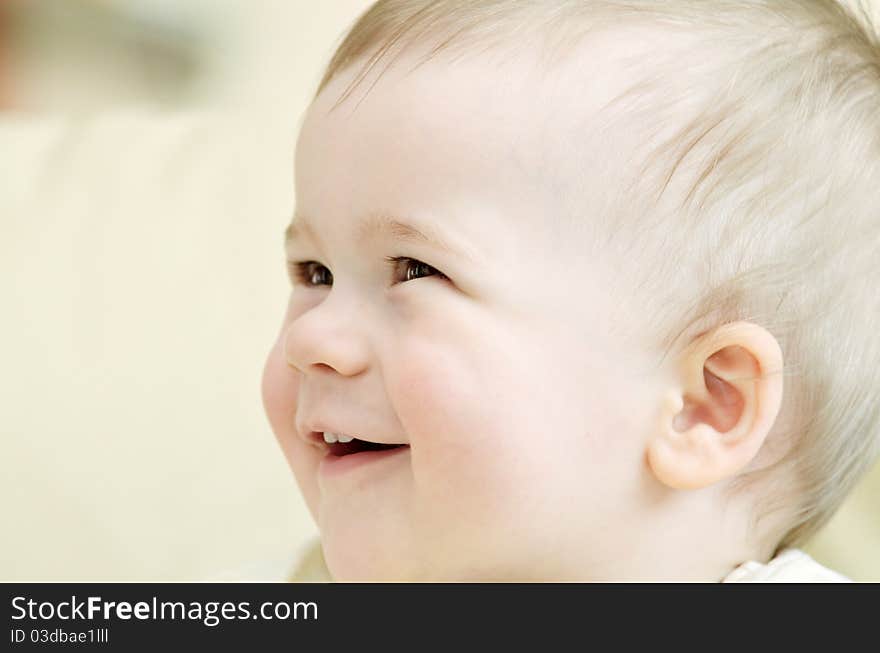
715	420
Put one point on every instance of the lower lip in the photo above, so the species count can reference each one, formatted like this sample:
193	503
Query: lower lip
332	466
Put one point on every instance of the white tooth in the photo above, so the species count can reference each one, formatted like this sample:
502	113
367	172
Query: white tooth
345	438
329	437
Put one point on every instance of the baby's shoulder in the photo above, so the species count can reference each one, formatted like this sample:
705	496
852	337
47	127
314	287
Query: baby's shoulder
304	565
790	566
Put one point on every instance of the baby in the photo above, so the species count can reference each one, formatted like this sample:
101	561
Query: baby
584	289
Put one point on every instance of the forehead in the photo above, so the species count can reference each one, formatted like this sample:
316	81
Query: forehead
450	140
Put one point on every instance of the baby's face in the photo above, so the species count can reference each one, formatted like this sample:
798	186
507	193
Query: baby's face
499	359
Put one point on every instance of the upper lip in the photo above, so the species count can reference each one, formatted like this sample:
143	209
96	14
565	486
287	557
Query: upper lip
313	432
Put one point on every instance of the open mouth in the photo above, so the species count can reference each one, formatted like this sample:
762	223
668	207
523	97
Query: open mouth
346	454
339	446
357	446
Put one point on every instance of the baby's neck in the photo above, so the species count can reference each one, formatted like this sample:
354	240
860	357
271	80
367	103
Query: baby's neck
696	536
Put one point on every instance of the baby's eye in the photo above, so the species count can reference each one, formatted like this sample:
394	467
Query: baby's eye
310	273
408	269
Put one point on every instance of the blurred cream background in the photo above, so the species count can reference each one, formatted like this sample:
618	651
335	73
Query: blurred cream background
146	166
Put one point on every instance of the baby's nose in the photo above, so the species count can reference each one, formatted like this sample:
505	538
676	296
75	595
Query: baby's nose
332	335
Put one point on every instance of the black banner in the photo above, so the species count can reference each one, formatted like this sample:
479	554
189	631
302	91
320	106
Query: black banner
147	616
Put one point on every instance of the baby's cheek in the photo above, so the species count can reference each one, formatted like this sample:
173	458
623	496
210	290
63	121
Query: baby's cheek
280	389
436	394
455	408
476	461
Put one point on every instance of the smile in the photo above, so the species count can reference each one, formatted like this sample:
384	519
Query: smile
346	454
339	444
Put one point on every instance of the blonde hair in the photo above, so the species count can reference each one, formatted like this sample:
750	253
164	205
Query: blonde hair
778	161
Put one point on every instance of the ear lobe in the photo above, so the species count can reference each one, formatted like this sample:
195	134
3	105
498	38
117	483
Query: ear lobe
714	423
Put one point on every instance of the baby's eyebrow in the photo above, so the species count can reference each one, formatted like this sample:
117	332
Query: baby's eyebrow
382	224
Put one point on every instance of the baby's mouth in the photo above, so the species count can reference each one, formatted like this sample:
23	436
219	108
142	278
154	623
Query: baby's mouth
346	454
341	445
357	446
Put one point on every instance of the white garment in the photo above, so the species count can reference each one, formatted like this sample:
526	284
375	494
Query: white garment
790	566
305	566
